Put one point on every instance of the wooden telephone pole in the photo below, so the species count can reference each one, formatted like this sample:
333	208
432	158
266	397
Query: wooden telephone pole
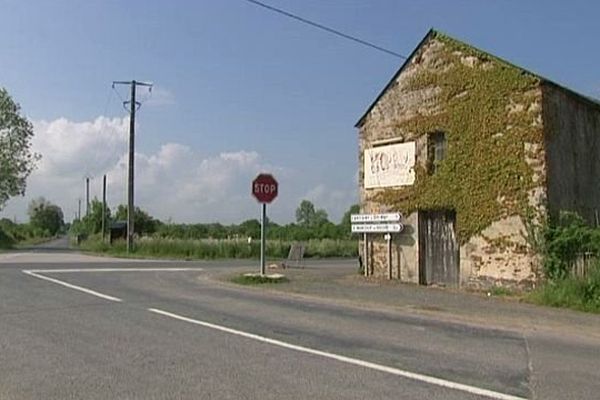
103	207
133	105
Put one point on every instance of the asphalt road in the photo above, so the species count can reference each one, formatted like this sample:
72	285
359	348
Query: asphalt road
78	327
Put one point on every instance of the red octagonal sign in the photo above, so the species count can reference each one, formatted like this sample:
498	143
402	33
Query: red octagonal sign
264	188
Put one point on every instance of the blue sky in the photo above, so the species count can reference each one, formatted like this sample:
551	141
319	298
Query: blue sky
240	89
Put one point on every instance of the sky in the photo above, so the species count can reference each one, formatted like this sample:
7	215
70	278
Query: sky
240	90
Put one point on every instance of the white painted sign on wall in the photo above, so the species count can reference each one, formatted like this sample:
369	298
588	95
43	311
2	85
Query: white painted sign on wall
391	165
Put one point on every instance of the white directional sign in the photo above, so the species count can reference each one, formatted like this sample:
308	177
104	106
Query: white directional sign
387	217
373	228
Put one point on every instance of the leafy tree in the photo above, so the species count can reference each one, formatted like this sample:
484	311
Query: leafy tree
143	223
251	228
308	217
45	216
92	222
345	224
16	159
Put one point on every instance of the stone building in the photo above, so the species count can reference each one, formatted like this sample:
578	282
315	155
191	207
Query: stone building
475	153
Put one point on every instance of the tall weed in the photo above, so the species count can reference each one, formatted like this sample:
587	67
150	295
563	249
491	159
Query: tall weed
161	247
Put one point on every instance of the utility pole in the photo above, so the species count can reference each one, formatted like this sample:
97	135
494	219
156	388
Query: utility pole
103	207
79	209
132	109
87	195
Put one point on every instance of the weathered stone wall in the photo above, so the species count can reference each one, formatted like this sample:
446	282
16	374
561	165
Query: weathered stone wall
381	125
572	144
498	254
502	253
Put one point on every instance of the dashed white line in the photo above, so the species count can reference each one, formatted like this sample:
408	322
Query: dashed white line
70	286
348	360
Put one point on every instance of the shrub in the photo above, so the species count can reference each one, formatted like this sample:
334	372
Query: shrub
6	240
564	240
578	293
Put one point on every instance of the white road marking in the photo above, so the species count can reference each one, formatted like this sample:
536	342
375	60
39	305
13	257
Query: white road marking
349	360
75	287
60	271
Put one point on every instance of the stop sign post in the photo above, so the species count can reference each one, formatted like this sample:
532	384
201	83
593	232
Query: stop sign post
264	189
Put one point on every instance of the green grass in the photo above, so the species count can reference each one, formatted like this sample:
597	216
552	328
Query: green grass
501	291
34	241
14	236
257	280
581	294
219	249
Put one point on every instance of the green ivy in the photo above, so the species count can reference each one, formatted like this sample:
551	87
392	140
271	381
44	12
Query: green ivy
485	176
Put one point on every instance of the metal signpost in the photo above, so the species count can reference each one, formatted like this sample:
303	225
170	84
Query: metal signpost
264	189
388	238
387	223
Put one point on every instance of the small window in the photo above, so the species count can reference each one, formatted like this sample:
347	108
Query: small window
436	146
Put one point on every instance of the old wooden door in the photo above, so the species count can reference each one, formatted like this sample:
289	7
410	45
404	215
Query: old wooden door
438	248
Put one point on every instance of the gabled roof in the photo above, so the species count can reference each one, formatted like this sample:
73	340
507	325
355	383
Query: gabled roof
432	33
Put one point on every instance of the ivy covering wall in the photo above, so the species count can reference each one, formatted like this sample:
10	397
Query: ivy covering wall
490	113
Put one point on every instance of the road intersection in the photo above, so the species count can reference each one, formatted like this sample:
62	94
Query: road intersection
104	328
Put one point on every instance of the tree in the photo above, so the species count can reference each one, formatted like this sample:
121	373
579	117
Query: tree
92	222
308	217
45	216
345	224
143	223
16	159
251	228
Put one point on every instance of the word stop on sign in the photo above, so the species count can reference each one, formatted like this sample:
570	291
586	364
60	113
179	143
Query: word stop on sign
265	188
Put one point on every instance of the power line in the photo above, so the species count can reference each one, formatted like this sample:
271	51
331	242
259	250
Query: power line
325	28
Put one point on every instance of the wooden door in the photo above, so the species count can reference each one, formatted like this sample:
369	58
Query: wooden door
438	248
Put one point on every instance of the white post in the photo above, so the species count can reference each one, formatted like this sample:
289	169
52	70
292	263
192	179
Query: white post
388	237
263	223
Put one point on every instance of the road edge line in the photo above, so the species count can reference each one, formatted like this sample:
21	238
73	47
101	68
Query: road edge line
348	360
71	286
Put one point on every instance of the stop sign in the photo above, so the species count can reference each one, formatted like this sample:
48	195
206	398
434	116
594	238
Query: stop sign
264	188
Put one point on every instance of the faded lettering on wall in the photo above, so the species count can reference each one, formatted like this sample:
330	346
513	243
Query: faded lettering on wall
391	165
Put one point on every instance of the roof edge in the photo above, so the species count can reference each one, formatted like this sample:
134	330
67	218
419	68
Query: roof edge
429	34
433	33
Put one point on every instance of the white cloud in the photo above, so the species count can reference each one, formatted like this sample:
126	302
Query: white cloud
174	182
66	145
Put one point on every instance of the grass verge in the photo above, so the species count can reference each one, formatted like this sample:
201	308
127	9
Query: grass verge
581	294
502	291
